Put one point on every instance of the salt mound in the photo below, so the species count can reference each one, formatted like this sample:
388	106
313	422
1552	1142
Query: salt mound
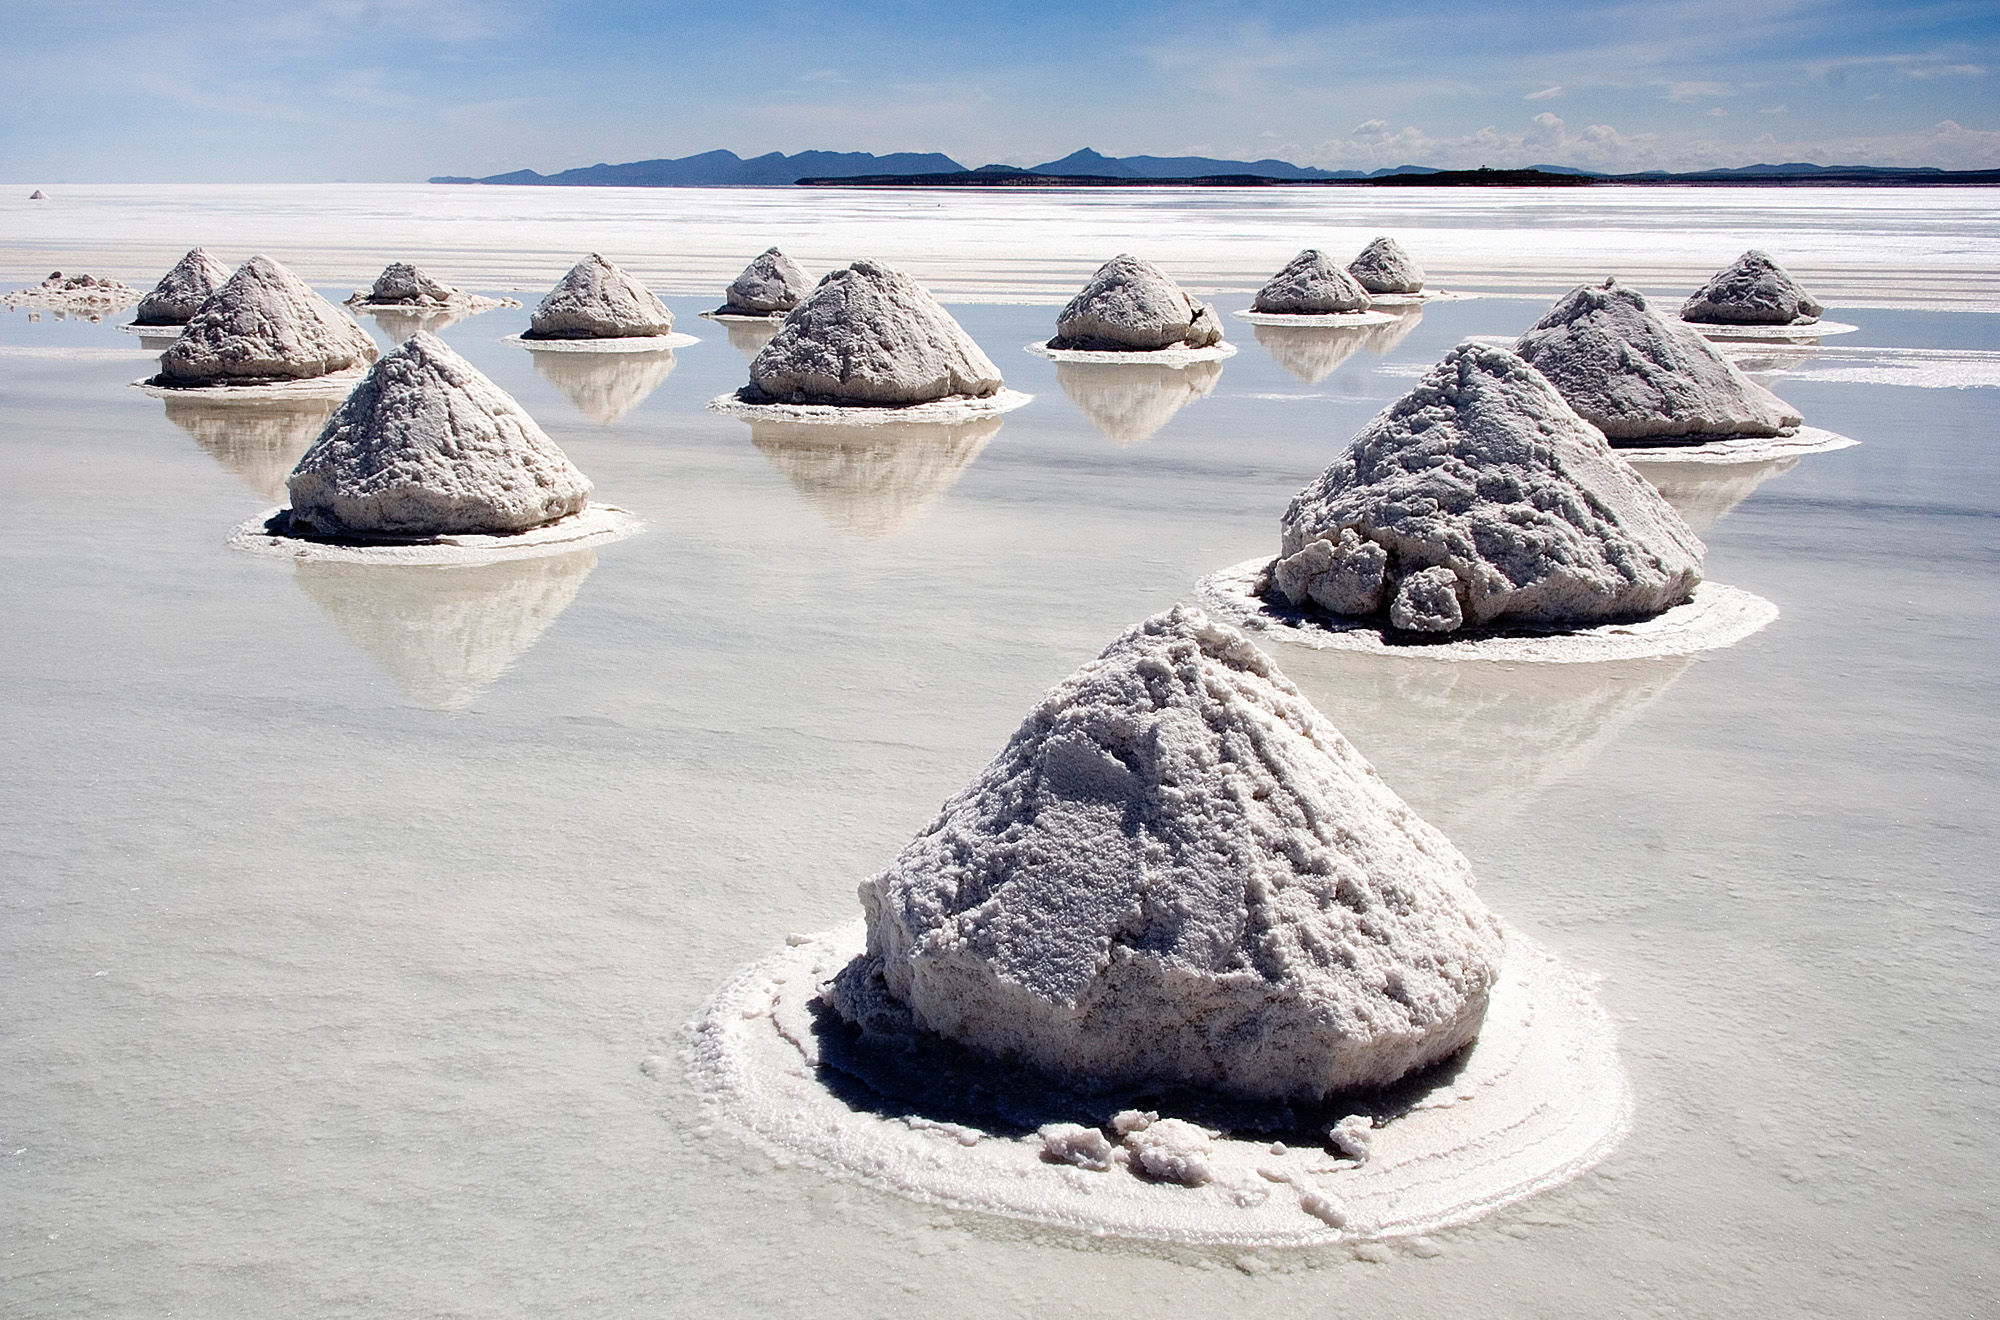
871	335
1754	290
1481	496
264	324
182	290
402	285
771	283
1311	283
1132	305
1177	872
1383	267
428	446
91	296
598	300
38	196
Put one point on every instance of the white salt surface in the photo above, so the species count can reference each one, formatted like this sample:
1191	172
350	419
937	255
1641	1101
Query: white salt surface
1419	298
626	344
957	408
1163	357
1716	616
1321	320
743	318
1916	368
333	385
1806	332
597	524
1742	449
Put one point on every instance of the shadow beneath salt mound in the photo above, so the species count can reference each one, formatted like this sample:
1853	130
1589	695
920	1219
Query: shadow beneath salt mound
259	441
443	633
749	337
1473	745
604	386
871	481
1704	492
1128	402
1311	353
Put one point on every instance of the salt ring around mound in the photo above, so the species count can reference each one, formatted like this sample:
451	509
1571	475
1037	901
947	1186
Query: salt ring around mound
1771	333
1716	616
957	408
335	385
739	318
627	344
1539	1099
154	331
1743	448
1419	298
1317	320
596	524
1159	357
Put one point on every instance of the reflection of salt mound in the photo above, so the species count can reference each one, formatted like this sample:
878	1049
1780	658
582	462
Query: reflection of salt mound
1129	401
871	335
444	633
264	324
259	440
1131	305
772	282
1310	284
1177	872
1311	353
605	386
1481	496
427	446
1635	375
871	481
1384	267
749	337
400	323
1753	290
405	300
182	290
598	299
1704	492
1471	746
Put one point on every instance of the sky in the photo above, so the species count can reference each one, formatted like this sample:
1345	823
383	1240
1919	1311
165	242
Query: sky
399	90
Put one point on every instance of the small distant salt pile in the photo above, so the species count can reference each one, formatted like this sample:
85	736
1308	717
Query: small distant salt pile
182	290
427	446
599	300
264	324
1311	284
403	285
38	196
770	284
1131	305
1384	267
1177	872
871	335
81	295
1753	290
1637	376
1481	496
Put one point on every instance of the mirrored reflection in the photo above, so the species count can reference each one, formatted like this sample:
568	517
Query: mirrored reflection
1761	361
258	440
1472	744
1704	492
399	323
445	633
870	481
158	341
749	337
605	386
1128	402
1311	353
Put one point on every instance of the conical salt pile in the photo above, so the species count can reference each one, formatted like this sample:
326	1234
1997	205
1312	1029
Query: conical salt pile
1131	305
428	446
599	300
1635	375
38	196
1178	872
1754	290
182	290
871	335
1481	496
1383	267
264	324
402	285
1311	284
771	283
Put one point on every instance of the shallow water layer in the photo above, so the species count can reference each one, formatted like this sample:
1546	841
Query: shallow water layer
350	925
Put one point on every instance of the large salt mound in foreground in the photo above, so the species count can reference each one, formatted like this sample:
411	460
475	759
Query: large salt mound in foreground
1131	305
427	446
182	290
1384	267
1311	284
1177	872
1637	376
598	299
771	283
1752	290
264	324
1481	496
871	335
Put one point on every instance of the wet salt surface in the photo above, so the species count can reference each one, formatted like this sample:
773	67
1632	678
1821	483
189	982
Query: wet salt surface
324	1001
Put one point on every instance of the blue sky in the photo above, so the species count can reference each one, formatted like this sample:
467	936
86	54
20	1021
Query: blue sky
219	90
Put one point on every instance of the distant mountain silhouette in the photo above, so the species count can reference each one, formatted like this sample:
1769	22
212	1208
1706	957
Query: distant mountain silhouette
719	168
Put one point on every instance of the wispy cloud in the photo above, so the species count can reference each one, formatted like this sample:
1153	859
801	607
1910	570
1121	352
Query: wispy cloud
1546	94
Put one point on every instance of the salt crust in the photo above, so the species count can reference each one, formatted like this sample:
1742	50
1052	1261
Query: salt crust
76	295
1538	1100
1744	449
1419	298
598	524
332	386
628	344
1715	617
955	409
1162	357
1319	320
1804	333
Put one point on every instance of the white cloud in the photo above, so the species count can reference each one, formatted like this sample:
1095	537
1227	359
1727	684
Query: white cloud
1697	91
1546	94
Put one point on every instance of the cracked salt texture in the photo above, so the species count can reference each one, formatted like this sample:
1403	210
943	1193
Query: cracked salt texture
1384	267
1311	283
598	299
264	325
182	290
1752	290
1130	304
